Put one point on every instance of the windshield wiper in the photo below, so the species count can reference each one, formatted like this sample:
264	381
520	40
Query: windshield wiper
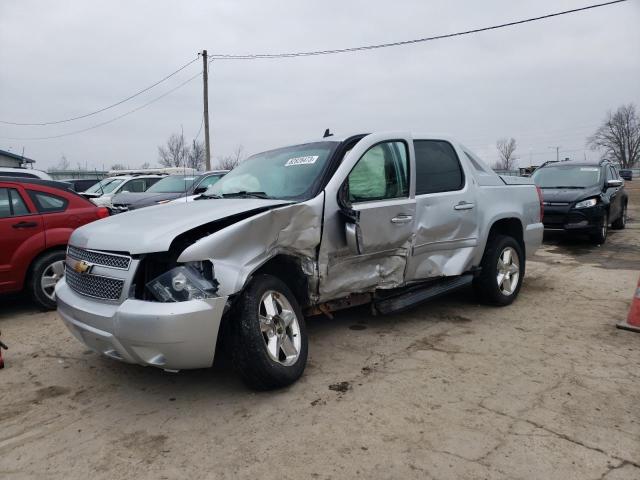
244	193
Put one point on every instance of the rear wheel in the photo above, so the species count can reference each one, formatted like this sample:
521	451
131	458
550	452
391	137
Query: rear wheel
45	273
502	271
600	236
621	222
270	338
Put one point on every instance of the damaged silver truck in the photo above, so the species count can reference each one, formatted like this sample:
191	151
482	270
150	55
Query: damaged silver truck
386	219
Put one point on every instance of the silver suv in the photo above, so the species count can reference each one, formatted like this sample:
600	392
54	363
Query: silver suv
387	219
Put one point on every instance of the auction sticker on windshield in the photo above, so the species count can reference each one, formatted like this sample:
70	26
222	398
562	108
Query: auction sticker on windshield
301	160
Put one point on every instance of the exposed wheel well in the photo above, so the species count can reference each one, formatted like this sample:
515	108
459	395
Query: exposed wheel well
289	269
508	226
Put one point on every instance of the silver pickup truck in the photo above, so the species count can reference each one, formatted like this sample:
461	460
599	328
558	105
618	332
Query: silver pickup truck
386	219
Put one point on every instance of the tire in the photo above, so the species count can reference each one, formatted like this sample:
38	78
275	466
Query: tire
256	326
600	236
45	272
621	222
492	289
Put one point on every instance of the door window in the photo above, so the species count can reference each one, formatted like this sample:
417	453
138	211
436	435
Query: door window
437	167
47	203
207	182
11	203
137	185
381	173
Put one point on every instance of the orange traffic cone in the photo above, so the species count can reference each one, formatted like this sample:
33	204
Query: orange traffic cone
633	319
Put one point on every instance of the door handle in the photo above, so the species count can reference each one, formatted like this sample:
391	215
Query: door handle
463	206
24	225
402	218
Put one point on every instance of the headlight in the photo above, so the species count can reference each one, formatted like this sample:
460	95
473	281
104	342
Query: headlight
181	284
591	202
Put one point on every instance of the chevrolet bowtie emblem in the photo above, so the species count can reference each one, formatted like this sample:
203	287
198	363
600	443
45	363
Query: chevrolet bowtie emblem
82	267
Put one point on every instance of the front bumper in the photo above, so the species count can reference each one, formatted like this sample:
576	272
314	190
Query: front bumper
574	219
173	336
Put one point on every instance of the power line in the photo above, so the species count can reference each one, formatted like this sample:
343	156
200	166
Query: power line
222	56
65	120
113	119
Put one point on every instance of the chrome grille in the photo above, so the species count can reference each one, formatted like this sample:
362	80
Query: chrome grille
99	258
94	285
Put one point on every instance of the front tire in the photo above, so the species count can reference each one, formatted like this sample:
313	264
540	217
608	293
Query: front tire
502	271
270	343
600	236
45	273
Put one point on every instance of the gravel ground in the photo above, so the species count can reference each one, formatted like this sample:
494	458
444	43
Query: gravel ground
546	388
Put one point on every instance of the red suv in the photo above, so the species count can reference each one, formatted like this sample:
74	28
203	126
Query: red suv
36	221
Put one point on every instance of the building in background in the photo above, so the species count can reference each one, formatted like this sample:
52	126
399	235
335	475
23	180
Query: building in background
8	159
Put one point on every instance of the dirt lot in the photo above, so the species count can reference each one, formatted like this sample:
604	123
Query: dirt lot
546	388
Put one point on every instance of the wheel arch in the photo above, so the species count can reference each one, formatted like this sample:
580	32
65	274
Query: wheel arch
289	269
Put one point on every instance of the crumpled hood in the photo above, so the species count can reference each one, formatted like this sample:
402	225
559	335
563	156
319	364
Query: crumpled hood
569	195
153	229
142	199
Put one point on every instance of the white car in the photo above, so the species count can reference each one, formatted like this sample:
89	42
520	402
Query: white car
24	173
102	192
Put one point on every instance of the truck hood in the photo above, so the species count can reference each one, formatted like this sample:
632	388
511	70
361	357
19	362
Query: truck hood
153	229
569	195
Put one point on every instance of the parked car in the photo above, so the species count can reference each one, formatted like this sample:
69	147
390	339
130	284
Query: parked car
36	220
81	184
24	173
386	219
166	190
207	180
102	192
626	174
582	197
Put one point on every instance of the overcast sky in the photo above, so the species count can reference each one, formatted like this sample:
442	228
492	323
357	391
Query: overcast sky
547	83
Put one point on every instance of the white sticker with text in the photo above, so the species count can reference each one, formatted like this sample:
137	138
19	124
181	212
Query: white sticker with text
301	160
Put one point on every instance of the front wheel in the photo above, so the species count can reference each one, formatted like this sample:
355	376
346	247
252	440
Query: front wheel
600	236
502	271
270	338
621	222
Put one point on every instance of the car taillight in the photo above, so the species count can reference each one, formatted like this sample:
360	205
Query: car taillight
541	200
102	212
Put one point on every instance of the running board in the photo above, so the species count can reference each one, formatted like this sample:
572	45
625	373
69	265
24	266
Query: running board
410	299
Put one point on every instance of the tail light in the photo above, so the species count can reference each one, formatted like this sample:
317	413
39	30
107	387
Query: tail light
541	200
103	212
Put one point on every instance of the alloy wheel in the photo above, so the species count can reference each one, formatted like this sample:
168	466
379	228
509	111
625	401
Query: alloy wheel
51	275
280	328
508	272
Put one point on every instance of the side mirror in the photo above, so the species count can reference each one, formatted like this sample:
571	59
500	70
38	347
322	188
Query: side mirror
613	183
199	190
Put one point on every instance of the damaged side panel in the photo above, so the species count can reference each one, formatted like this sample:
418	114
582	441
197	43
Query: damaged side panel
238	250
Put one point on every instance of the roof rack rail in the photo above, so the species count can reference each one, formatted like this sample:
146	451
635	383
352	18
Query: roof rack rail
154	171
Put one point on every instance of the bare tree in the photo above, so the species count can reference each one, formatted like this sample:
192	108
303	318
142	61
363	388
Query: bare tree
195	156
619	136
118	166
506	150
63	164
175	153
229	162
145	165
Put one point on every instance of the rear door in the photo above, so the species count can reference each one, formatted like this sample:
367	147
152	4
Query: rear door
446	212
21	236
615	198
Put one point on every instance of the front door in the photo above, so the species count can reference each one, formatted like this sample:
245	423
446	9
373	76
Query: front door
369	217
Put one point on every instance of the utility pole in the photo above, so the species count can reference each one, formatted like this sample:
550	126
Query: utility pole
557	153
205	92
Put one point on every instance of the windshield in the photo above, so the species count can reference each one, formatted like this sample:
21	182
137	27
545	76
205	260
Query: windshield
575	176
285	173
173	184
107	185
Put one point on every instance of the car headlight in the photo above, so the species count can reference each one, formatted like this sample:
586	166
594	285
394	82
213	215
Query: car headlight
590	202
182	283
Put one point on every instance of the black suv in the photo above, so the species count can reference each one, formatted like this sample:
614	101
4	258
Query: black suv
582	197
